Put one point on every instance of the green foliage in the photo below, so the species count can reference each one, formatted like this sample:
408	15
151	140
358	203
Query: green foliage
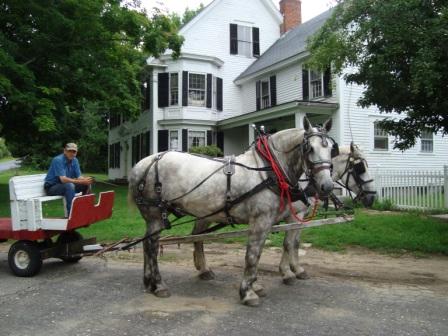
60	58
188	15
397	49
4	152
211	150
384	205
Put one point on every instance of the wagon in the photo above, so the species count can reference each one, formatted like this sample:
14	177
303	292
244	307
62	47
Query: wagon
33	232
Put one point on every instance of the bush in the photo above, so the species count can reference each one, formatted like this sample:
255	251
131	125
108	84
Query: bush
212	150
384	205
4	152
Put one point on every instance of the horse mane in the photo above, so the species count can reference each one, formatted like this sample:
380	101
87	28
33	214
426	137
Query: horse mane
286	140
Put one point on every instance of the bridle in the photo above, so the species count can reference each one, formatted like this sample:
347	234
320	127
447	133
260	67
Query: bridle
356	167
313	167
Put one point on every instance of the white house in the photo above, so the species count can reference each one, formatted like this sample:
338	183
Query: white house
242	63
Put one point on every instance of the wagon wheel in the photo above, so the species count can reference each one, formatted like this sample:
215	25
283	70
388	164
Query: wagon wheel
69	237
24	258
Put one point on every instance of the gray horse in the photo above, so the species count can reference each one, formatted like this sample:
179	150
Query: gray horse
351	170
198	186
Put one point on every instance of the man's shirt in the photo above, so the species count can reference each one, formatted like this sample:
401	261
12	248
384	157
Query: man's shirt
61	166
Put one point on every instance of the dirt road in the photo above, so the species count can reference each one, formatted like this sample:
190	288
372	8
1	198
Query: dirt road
353	293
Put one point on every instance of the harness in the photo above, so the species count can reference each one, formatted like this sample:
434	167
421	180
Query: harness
277	181
356	167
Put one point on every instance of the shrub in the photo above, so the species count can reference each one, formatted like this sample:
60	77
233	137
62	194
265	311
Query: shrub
384	205
212	150
4	152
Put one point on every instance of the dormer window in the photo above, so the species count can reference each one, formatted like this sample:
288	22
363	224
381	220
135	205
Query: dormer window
244	40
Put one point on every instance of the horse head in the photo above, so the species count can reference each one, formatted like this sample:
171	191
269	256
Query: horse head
308	151
351	168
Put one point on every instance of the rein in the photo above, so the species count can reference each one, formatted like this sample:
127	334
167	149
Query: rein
263	149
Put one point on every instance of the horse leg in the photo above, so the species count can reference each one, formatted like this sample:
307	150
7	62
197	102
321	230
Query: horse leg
286	263
151	276
299	271
258	232
205	273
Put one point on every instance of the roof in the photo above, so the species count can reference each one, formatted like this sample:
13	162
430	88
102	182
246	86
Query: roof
288	45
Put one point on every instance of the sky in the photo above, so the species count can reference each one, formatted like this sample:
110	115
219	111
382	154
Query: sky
310	8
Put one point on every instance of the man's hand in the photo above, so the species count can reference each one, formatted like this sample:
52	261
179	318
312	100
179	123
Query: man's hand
85	180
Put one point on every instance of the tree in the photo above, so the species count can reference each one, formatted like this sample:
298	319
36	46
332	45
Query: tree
397	49
188	15
59	59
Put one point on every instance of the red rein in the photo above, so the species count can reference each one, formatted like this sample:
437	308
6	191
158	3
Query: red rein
263	149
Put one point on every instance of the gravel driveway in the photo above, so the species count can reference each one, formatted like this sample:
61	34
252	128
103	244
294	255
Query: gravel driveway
355	293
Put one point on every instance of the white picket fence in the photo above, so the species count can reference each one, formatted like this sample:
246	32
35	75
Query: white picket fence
423	190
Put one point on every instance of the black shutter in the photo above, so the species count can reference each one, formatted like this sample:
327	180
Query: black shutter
184	88
117	155
220	140
209	91
273	86
148	143
163	89
138	147
111	156
305	85
133	151
233	39
255	42
209	138
258	95
219	94
148	95
327	82
162	138
184	140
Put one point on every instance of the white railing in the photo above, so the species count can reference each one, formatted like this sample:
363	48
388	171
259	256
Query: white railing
413	189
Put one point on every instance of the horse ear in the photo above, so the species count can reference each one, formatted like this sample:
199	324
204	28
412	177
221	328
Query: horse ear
352	147
327	125
306	124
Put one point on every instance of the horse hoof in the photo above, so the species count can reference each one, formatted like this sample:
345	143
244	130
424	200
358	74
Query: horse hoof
162	293
302	276
251	299
207	275
289	281
259	290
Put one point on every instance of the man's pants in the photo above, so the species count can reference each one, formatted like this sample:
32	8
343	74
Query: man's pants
68	190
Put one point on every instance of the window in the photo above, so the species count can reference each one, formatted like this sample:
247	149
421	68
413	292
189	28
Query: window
114	155
316	84
381	138
265	100
140	147
196	89
427	142
244	40
196	138
316	80
174	88
174	140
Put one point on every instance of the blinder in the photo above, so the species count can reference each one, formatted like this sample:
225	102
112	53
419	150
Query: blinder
334	150
359	168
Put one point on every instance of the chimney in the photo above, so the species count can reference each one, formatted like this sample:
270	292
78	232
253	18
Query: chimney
292	14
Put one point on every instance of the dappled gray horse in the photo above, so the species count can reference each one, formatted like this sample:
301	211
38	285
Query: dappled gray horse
350	170
169	181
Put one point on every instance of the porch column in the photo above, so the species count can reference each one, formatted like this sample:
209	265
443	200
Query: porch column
299	119
251	133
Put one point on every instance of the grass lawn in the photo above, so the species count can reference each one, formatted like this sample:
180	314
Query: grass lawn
5	159
387	232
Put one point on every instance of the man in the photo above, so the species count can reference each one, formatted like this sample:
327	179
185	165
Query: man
64	176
